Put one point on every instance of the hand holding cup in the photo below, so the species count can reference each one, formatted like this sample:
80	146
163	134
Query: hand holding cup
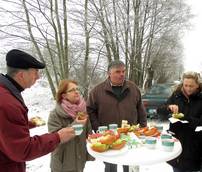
66	134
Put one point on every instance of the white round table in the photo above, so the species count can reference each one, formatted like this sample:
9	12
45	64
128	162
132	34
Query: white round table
138	156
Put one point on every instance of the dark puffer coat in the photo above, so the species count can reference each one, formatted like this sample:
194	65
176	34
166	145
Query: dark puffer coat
192	109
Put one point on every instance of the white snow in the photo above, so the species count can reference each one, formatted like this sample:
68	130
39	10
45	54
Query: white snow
40	102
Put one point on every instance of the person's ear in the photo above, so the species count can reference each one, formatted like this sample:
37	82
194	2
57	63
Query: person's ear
19	74
63	95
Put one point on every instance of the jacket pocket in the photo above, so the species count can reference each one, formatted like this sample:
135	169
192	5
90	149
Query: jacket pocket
57	158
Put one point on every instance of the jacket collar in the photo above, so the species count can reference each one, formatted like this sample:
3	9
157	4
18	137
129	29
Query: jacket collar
108	86
12	88
124	90
18	86
198	94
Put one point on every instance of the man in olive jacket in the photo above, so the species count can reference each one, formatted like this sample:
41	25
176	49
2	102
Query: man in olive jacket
114	100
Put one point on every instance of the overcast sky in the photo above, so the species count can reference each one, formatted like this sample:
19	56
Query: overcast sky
193	39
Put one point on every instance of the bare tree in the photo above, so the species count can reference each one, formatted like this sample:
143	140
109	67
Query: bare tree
133	33
76	39
46	23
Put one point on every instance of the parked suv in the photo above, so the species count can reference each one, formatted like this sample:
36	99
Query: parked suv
156	96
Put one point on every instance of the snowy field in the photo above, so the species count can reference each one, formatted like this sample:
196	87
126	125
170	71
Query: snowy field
40	102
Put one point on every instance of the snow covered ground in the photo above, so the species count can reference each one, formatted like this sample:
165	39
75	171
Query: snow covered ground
40	102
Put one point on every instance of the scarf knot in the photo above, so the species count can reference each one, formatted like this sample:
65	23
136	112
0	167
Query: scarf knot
73	109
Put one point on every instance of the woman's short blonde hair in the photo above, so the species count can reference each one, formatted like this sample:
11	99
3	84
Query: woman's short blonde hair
62	88
192	75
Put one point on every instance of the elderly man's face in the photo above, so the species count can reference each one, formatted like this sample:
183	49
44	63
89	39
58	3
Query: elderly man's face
117	75
29	77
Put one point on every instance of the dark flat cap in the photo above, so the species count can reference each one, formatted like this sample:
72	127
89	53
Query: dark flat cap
19	59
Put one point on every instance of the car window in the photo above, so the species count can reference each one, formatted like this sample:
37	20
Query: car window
156	89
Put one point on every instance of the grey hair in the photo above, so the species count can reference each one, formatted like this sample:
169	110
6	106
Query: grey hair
115	64
13	71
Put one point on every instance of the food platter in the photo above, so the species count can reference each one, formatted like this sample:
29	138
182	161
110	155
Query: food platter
147	141
115	141
110	152
119	141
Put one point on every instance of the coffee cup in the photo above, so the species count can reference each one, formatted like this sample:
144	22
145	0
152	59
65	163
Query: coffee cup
150	142
159	128
142	138
113	127
166	136
78	128
168	145
102	129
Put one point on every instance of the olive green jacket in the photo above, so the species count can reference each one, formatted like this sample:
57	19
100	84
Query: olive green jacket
70	156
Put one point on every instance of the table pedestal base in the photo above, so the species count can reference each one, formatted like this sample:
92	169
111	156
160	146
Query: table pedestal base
134	168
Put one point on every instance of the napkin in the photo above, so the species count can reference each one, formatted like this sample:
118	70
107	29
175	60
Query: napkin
174	120
199	128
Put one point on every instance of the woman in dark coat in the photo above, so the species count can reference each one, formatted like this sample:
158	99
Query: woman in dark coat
187	99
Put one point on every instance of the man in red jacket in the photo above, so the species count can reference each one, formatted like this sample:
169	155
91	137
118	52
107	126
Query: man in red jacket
16	144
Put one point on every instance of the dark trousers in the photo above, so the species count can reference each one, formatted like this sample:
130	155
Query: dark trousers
201	167
180	170
113	167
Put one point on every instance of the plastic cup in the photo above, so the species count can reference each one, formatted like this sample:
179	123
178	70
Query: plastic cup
78	128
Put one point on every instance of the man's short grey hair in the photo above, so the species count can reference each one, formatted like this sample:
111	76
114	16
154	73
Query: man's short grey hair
13	71
115	64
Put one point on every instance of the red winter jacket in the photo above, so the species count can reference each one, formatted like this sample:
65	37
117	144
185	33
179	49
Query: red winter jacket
16	145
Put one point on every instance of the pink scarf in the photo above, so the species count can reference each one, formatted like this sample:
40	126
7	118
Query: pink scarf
73	109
